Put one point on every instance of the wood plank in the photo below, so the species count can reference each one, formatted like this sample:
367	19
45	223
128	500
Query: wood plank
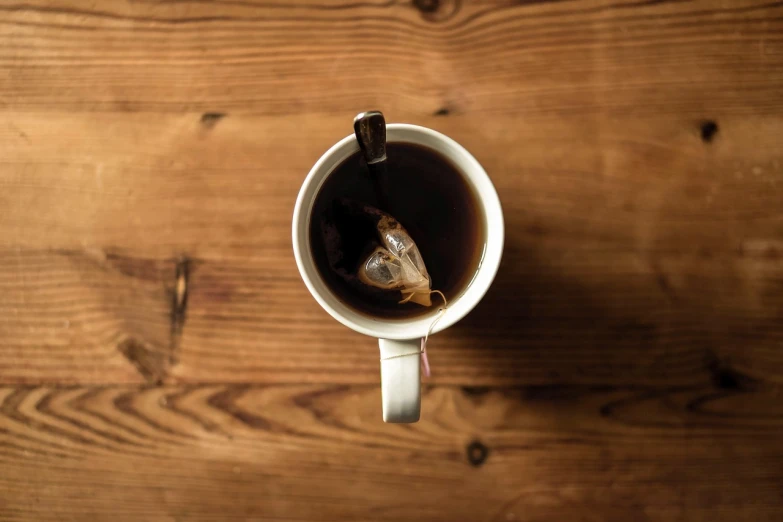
599	57
636	252
320	453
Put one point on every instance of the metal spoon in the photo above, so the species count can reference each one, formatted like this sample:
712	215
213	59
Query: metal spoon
370	130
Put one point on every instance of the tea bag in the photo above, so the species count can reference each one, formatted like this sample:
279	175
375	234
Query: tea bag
397	264
369	247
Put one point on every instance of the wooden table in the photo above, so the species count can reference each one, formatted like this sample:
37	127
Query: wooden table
160	358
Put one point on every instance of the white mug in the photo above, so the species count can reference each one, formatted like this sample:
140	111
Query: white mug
400	339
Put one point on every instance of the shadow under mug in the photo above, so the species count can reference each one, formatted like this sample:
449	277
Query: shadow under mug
400	340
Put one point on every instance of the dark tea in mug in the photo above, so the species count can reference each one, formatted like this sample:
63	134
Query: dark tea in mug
432	200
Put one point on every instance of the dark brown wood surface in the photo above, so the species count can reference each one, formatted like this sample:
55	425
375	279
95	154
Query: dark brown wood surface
160	358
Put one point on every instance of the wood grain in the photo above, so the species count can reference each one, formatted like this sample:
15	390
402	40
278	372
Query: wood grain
318	452
635	254
160	358
597	57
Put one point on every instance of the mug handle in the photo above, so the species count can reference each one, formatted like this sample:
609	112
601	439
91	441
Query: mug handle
400	380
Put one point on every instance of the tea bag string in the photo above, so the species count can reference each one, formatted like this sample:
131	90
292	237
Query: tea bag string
423	350
440	314
423	339
425	362
445	303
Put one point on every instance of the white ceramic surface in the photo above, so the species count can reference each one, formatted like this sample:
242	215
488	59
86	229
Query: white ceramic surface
400	375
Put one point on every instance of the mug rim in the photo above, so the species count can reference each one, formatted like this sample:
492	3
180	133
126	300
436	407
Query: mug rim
412	328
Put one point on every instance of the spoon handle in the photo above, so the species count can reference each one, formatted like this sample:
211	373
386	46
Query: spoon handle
370	130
